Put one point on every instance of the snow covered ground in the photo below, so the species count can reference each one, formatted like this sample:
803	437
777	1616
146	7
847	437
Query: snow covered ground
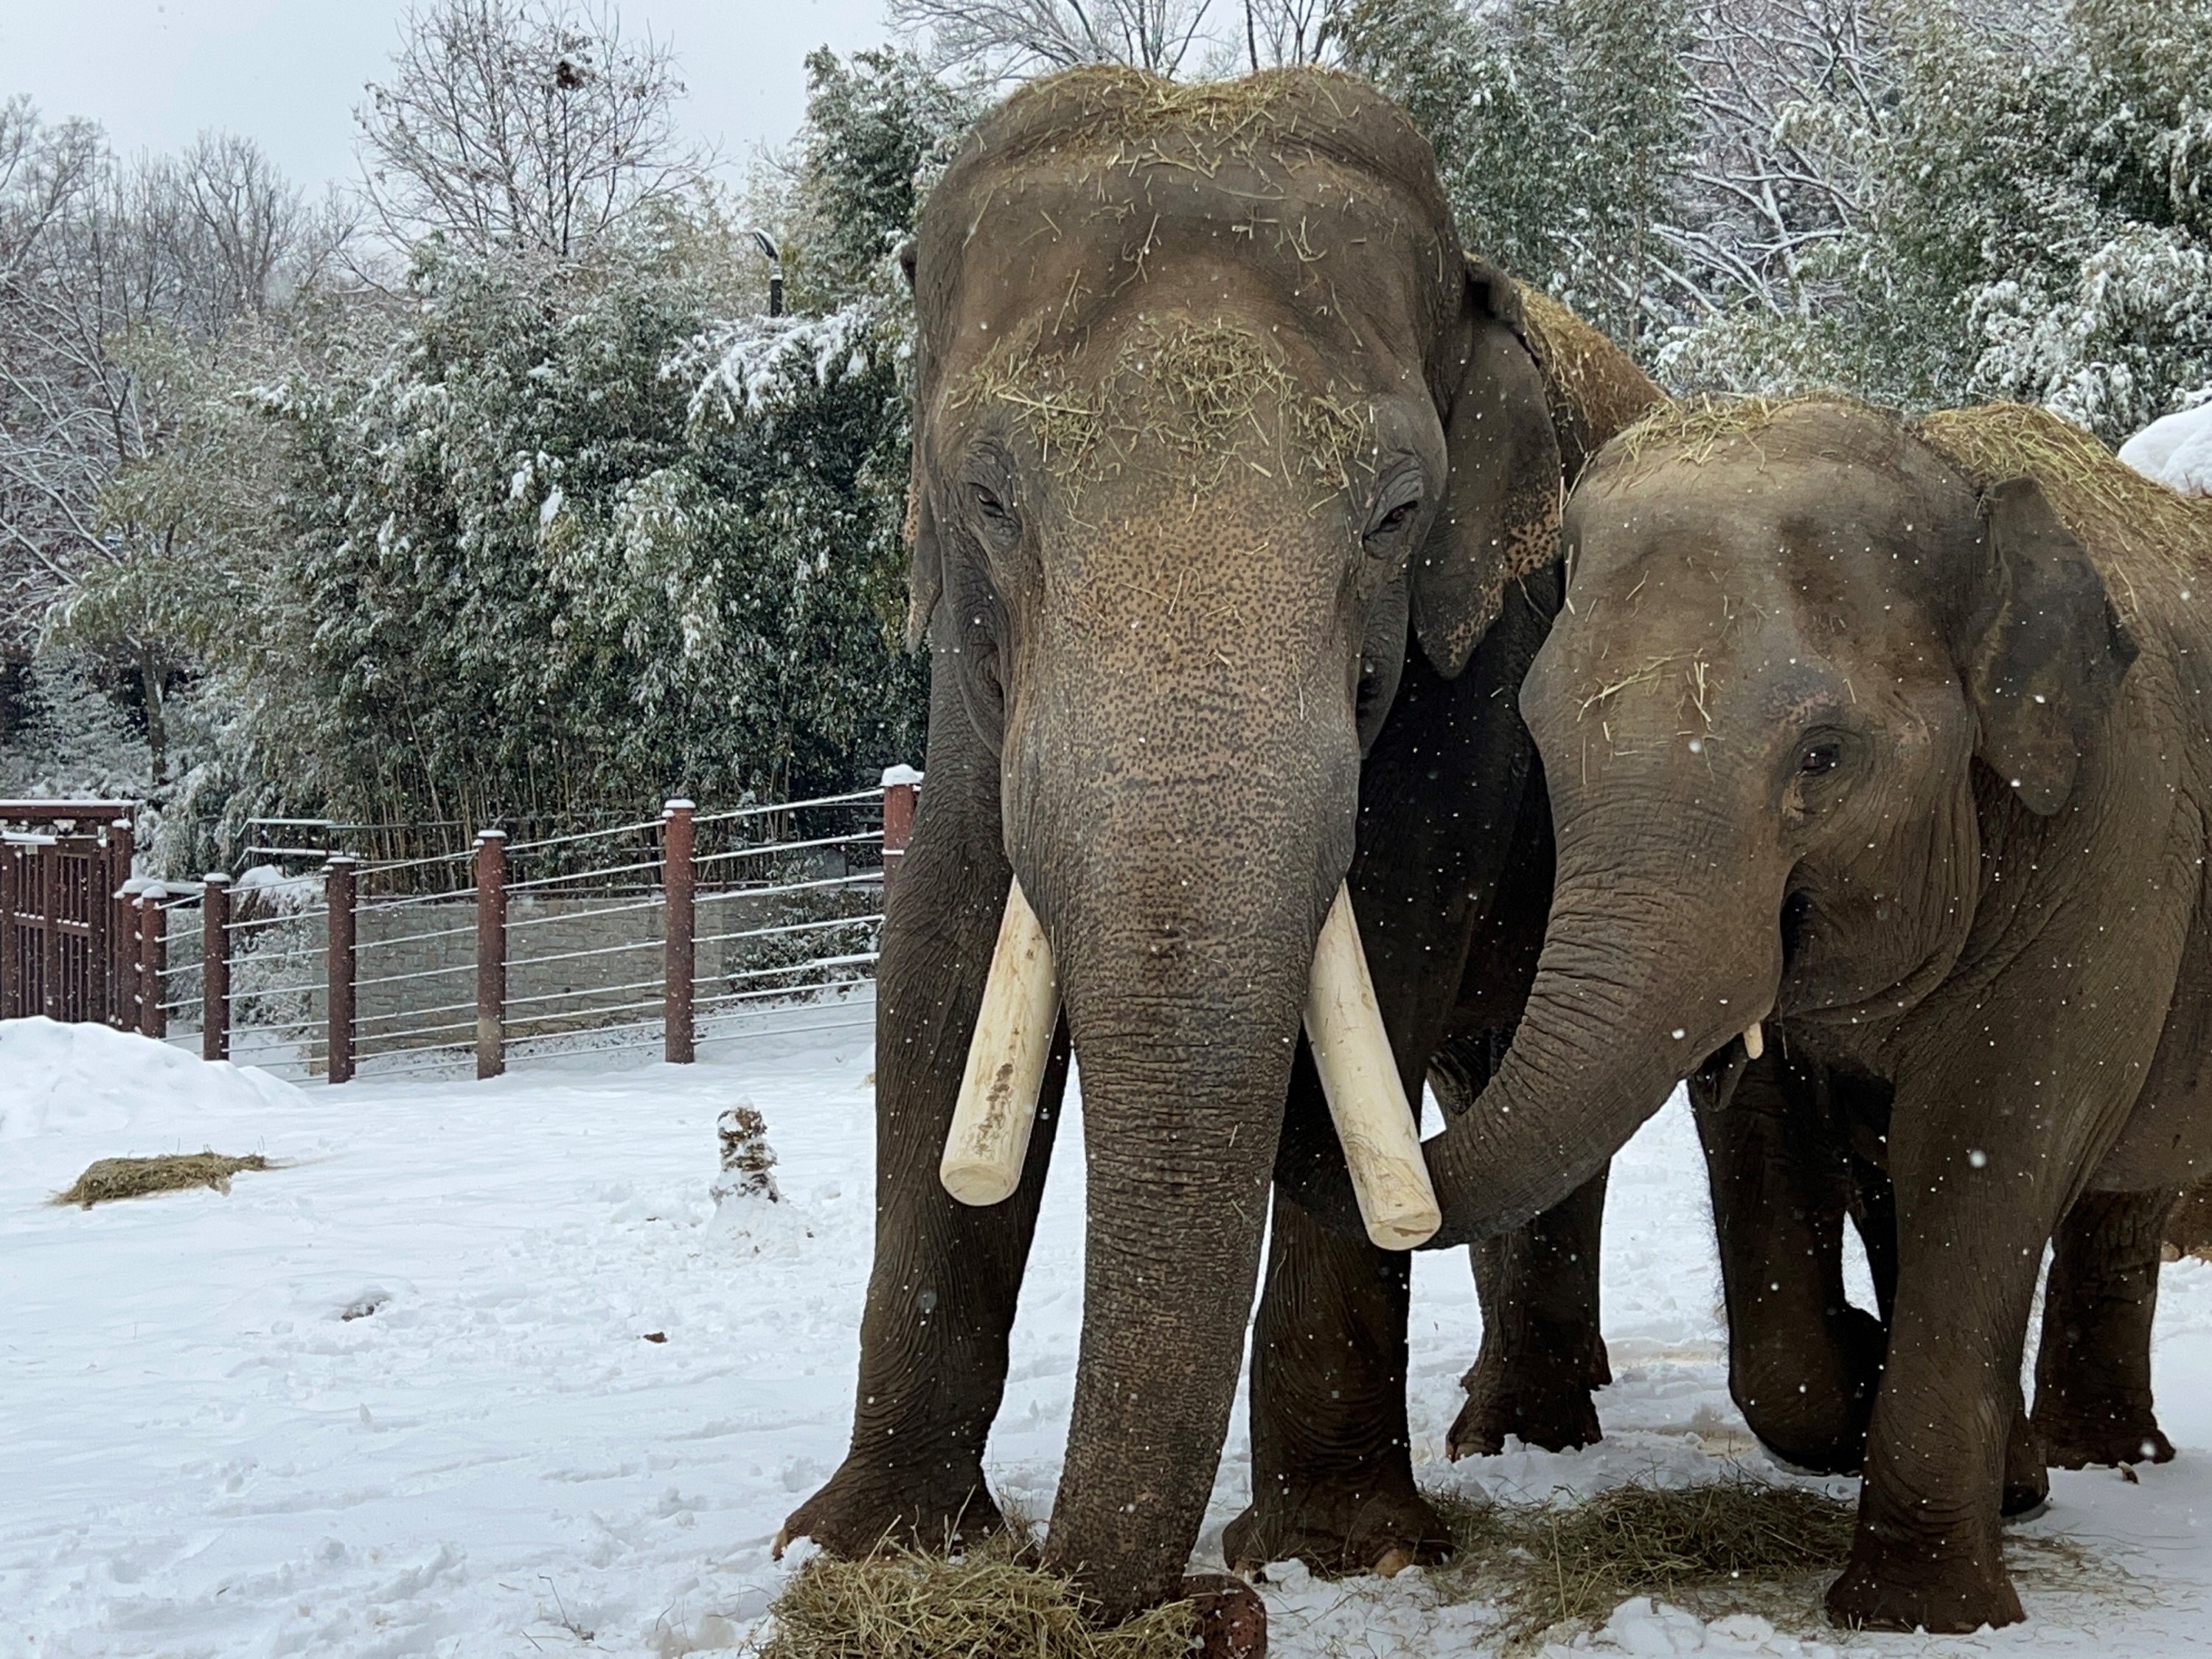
205	1455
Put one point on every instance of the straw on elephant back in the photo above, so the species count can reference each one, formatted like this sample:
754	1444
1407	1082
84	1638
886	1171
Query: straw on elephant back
2131	524
1595	388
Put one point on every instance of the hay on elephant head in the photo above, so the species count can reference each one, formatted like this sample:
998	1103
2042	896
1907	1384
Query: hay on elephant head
1134	117
985	1602
1214	393
110	1178
1733	1545
1693	430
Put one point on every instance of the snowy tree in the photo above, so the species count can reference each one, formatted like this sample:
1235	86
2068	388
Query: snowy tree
1014	37
105	268
63	734
1561	129
522	123
880	126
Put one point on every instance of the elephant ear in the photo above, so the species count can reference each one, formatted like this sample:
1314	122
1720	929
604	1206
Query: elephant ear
2051	653
1499	520
926	573
925	581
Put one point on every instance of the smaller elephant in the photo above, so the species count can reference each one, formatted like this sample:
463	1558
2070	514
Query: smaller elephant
1888	745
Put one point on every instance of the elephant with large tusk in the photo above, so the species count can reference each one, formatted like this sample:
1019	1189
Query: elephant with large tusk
1230	470
1883	749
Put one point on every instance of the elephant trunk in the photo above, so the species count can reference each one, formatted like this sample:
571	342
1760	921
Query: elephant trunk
1182	929
1648	968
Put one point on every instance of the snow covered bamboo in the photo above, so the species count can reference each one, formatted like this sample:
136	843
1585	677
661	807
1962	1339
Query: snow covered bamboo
997	1108
1359	1075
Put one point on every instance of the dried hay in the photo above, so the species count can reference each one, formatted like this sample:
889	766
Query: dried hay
982	1604
111	1178
1198	388
1595	389
1693	430
2130	523
1137	119
1727	1546
1733	1545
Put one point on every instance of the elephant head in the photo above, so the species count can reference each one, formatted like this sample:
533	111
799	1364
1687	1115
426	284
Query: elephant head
1803	652
1212	415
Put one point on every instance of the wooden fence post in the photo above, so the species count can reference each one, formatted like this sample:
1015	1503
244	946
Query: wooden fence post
8	857
153	960
122	953
678	1043
215	966
900	787
491	952
50	941
338	890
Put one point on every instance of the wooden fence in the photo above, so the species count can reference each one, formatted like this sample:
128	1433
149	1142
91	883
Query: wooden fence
69	947
635	935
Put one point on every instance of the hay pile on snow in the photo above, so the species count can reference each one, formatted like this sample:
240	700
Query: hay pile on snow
981	1605
107	1179
1731	1545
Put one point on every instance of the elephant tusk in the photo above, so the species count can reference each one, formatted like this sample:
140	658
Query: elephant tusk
1755	1041
989	1140
1359	1075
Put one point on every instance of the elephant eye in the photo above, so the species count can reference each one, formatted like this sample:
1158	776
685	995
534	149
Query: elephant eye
990	506
1395	519
1820	759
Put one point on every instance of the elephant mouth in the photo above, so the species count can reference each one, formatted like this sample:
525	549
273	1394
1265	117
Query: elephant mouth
1796	915
988	1141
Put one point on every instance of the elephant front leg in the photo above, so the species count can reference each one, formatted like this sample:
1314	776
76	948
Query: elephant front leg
1332	1470
941	1296
1975	1202
2093	1396
1542	1351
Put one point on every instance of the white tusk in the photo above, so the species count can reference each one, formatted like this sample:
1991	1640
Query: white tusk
1755	1041
997	1108
1358	1073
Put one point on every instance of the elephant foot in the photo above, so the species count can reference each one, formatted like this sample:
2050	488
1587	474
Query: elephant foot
1232	1620
865	1508
2081	1440
2026	1477
1547	1403
1338	1529
1906	1587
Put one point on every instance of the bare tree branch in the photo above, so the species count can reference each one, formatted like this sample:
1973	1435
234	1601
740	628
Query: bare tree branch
531	125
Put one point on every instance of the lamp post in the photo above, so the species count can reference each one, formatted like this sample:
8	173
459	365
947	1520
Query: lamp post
774	257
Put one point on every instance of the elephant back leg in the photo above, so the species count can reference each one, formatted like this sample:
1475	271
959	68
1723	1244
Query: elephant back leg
1332	1465
941	1296
2092	1395
1543	1349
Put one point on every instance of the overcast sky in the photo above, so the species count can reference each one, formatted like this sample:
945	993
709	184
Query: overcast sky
289	72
